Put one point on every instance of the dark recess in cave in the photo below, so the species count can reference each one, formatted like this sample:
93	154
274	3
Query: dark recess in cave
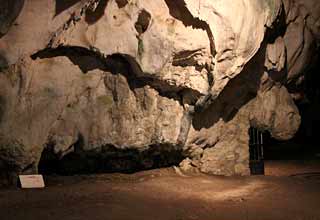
301	147
305	144
93	16
121	3
110	160
62	5
143	22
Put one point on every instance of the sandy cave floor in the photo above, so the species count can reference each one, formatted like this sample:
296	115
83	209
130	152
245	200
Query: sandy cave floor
292	192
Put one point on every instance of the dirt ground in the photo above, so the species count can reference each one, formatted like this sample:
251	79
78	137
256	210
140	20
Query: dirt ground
290	191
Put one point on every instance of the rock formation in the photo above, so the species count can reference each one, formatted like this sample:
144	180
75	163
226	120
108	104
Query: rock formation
138	83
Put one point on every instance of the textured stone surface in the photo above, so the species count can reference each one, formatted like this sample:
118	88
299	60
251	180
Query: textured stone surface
143	81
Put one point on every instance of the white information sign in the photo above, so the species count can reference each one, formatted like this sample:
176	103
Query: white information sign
31	181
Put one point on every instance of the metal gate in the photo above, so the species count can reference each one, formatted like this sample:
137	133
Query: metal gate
256	152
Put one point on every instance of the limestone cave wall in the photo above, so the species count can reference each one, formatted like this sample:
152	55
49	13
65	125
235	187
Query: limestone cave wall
139	84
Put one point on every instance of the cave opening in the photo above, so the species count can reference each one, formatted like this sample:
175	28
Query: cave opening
302	147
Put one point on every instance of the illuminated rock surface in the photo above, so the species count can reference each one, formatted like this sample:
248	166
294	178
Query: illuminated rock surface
141	84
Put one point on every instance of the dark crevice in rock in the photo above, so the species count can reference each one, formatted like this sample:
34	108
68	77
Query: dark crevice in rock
141	26
108	159
187	58
62	5
143	21
178	10
92	16
3	63
85	59
278	28
210	77
2	107
121	3
277	76
203	103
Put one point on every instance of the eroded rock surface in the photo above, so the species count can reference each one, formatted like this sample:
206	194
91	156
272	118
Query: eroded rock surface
147	81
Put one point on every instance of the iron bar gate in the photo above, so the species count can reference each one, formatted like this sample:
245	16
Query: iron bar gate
256	152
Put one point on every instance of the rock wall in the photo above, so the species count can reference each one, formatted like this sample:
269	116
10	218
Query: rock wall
143	81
